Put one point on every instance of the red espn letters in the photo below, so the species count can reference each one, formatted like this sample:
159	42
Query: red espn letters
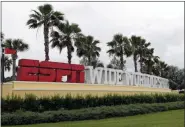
46	71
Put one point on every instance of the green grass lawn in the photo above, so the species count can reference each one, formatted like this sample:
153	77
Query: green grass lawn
174	118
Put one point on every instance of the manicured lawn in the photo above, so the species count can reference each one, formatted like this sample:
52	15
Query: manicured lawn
173	118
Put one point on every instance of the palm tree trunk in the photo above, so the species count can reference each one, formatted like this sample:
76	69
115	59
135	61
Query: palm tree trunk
135	63
89	60
46	42
141	64
150	70
69	56
141	70
14	57
121	60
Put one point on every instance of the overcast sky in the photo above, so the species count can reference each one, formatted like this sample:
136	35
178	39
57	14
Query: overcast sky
161	23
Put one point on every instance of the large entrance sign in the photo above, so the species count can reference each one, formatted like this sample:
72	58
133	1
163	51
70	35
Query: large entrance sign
46	71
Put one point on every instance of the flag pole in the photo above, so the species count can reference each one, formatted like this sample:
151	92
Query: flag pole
2	65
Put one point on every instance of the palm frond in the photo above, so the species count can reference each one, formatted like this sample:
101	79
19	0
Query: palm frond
111	44
97	48
36	17
37	13
96	42
125	40
147	44
54	43
75	28
45	9
31	21
111	51
118	38
58	15
89	39
20	45
61	46
23	47
55	34
80	52
8	43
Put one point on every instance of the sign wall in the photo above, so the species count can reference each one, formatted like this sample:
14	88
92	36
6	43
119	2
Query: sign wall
46	71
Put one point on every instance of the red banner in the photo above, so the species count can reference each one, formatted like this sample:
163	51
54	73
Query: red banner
9	51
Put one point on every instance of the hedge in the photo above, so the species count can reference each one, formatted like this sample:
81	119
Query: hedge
32	103
20	117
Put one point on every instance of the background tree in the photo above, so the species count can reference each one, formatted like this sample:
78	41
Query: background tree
115	63
176	77
119	47
110	66
84	61
45	16
87	47
181	79
95	62
18	45
64	37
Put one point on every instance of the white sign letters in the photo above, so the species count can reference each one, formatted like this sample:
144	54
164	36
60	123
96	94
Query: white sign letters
118	77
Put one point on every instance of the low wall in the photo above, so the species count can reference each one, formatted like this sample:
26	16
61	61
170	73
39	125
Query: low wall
47	89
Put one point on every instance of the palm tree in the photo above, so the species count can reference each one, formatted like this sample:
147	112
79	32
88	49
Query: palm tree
47	17
163	68
135	44
160	68
150	60
7	63
87	47
142	49
119	47
64	37
19	46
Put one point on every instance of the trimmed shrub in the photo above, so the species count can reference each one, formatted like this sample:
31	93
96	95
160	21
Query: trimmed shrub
11	103
32	103
18	118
